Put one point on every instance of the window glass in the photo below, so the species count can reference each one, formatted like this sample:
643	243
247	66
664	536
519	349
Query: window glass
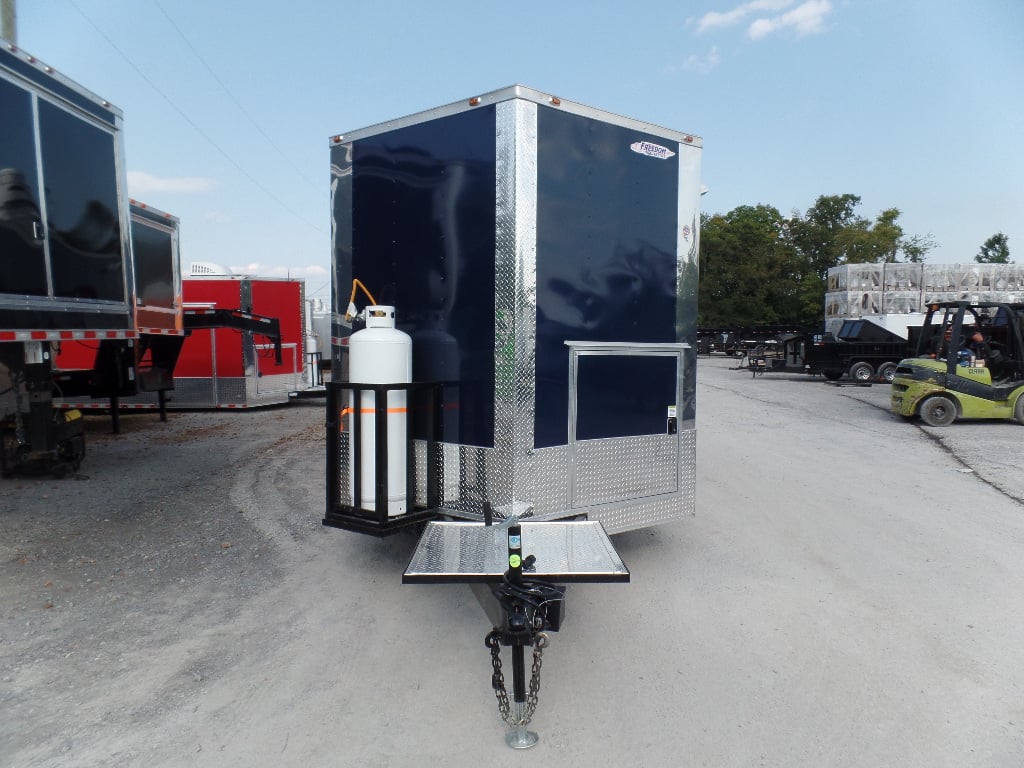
624	395
22	258
80	179
154	265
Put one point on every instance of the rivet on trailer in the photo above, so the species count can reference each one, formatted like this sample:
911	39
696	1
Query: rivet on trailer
520	379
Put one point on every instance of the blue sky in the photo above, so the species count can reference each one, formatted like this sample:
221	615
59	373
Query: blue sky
228	105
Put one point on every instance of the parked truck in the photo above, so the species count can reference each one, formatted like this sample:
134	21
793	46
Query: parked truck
65	270
864	349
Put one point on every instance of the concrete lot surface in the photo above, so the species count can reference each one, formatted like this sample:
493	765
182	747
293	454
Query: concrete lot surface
850	593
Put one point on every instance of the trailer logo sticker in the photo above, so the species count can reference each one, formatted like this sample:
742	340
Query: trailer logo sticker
652	150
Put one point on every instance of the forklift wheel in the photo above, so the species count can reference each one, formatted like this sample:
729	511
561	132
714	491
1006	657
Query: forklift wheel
1018	410
938	411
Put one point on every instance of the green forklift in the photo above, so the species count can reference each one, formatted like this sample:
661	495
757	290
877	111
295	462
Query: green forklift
969	364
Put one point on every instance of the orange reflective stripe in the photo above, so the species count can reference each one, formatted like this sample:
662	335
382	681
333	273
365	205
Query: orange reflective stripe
346	411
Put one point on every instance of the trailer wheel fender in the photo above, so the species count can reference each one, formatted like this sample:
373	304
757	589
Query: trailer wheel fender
938	411
861	371
887	372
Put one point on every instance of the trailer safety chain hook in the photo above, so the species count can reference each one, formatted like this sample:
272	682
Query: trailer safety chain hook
493	641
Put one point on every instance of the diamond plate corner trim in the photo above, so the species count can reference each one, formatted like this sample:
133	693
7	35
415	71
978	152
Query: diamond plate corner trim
687	272
515	302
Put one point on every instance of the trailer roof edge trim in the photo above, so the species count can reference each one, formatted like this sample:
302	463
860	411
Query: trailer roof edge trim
152	214
32	70
517	92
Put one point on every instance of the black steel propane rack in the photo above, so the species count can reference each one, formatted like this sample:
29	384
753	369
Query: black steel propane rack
377	522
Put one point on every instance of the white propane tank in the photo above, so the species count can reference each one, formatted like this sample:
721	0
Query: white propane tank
381	354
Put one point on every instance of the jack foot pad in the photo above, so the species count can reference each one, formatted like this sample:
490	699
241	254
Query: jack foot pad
520	738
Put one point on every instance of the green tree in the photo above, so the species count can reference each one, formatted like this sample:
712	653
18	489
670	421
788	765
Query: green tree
750	272
995	250
886	236
887	240
830	233
759	267
824	234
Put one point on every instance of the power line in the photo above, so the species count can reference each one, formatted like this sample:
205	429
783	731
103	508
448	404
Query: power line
235	101
192	123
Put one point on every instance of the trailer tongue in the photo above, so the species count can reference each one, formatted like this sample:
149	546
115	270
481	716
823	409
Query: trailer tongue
517	567
541	258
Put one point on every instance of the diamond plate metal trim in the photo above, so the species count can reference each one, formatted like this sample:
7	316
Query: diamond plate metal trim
627	516
345	495
464	551
608	470
515	301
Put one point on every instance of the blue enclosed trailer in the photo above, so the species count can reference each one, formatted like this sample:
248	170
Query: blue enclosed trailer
542	257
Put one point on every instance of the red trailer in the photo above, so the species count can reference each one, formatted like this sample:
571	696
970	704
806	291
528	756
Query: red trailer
251	362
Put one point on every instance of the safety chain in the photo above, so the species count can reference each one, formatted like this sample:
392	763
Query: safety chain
493	641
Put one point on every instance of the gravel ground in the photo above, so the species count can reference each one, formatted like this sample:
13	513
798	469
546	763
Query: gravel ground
850	593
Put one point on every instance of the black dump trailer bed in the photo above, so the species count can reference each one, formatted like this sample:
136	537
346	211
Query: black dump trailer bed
862	350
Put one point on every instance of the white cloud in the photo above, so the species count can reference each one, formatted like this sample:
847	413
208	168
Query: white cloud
141	184
805	19
702	64
736	15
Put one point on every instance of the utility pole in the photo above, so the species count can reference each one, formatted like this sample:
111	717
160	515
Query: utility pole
8	21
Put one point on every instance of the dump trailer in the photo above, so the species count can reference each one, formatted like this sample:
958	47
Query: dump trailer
515	283
863	350
114	371
65	271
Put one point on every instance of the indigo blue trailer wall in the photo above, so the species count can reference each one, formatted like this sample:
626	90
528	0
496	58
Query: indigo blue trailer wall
542	255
